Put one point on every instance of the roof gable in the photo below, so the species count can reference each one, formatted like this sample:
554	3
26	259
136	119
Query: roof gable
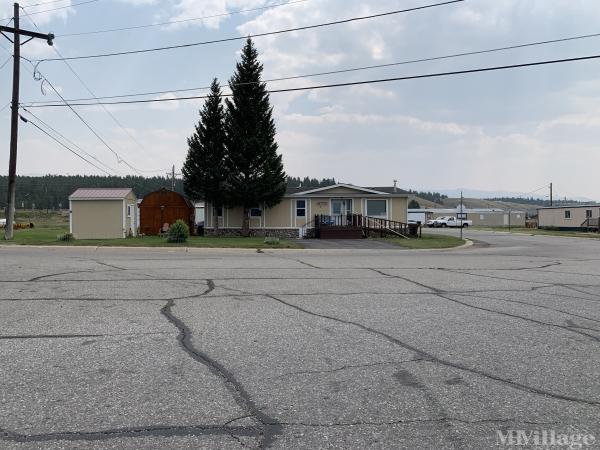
100	194
336	187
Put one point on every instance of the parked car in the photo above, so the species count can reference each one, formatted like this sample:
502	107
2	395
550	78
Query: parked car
452	221
2	223
435	222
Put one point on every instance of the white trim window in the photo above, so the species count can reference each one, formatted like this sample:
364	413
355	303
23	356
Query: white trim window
588	213
567	214
219	211
300	208
255	212
130	210
377	207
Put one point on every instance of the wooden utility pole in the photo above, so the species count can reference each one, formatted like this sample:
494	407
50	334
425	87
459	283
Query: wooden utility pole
14	124
551	202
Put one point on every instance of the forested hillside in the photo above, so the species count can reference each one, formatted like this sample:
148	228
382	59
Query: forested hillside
52	191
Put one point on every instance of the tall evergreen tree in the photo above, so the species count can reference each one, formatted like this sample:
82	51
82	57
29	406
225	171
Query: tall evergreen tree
205	170
256	175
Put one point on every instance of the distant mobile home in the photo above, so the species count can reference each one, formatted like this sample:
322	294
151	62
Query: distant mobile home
480	217
573	217
102	213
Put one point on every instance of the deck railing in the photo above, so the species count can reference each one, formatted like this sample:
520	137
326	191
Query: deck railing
368	224
591	223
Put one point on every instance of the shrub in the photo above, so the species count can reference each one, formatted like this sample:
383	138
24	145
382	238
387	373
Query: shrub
67	237
272	240
179	232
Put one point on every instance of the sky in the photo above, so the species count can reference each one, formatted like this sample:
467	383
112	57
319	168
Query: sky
513	131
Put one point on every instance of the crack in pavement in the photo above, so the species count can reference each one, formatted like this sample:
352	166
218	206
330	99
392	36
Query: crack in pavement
75	336
43	277
345	367
269	427
441	294
434	359
413	421
160	431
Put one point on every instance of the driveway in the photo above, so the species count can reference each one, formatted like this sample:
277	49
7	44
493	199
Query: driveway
162	348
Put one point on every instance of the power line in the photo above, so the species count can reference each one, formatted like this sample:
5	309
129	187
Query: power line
43	3
351	83
65	138
352	69
119	124
89	127
236	38
172	22
5	62
62	144
60	7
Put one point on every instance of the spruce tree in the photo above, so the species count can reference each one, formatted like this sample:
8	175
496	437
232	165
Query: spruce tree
256	174
205	168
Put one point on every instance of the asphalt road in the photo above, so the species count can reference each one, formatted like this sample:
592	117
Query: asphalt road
368	348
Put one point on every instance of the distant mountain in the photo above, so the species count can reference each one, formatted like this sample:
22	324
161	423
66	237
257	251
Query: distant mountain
483	194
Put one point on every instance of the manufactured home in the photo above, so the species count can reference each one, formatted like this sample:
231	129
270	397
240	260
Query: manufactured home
294	216
102	213
574	217
481	217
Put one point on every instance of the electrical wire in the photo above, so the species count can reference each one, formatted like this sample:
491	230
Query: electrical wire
269	33
119	124
60	7
351	83
48	126
351	69
5	62
172	22
63	144
43	3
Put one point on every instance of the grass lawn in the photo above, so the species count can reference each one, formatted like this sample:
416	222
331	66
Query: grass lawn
535	231
427	241
47	235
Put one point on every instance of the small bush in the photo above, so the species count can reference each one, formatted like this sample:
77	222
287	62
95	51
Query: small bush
67	237
179	232
272	240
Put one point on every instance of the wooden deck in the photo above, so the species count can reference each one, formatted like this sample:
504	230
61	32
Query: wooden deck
357	226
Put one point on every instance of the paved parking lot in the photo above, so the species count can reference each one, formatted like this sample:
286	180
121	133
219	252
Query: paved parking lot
362	348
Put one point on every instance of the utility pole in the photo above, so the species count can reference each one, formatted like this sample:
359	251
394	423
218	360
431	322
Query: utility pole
173	178
551	195
14	124
461	215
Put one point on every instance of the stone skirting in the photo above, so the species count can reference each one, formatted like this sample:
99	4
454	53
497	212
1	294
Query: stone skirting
289	233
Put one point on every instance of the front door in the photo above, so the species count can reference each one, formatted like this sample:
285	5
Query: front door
341	206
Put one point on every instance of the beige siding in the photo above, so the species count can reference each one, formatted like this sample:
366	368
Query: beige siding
97	219
283	215
556	217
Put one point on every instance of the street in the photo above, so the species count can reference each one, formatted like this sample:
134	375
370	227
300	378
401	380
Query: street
350	348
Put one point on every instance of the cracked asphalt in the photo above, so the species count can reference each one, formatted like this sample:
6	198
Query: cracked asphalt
337	348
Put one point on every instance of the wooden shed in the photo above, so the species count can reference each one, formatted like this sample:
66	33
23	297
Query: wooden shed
164	207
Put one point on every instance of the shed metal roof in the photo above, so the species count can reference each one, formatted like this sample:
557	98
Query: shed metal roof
100	193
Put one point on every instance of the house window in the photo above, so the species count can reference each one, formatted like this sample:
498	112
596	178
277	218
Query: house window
377	208
481	217
255	212
129	210
219	210
518	216
588	213
567	214
300	208
462	216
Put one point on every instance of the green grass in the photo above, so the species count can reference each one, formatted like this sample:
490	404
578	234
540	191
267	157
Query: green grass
427	241
535	232
47	235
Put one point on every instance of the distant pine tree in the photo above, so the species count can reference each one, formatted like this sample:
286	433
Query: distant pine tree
205	169
256	174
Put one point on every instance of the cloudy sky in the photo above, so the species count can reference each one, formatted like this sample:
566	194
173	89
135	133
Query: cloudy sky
512	131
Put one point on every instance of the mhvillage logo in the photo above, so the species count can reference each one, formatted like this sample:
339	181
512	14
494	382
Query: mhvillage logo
545	439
